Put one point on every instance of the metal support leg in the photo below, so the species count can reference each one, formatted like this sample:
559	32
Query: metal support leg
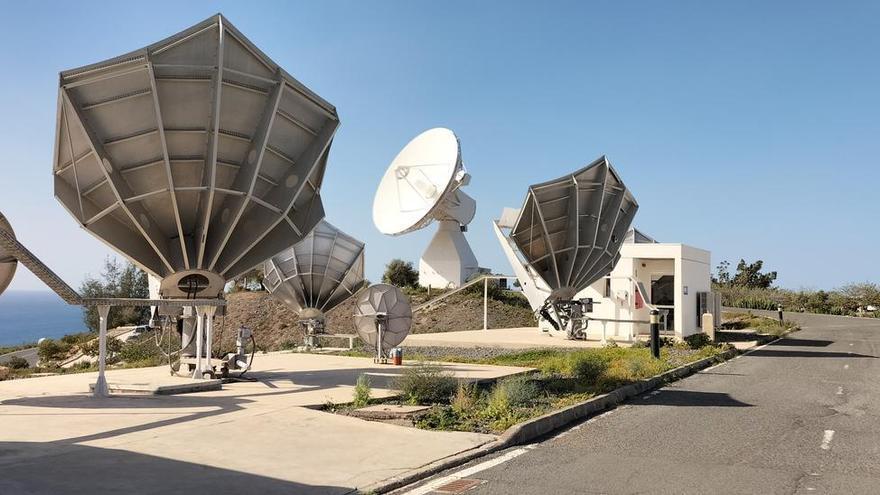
200	351
486	303
209	340
101	389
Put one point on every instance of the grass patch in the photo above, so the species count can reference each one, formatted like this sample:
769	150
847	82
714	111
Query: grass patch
760	324
564	377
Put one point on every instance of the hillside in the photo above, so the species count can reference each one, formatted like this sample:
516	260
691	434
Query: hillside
275	325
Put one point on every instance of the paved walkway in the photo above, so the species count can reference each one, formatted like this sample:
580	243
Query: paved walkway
508	338
262	437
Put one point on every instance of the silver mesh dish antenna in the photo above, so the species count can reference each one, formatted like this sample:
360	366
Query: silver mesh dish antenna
196	157
319	272
383	306
8	262
570	229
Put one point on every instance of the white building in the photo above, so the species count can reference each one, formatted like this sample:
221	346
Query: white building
667	276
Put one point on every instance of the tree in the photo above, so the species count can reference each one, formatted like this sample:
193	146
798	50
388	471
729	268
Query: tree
117	280
749	275
400	273
722	274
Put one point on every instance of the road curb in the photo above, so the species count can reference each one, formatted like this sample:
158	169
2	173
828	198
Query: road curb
534	428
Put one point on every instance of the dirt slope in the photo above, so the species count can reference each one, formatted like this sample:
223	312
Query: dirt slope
275	325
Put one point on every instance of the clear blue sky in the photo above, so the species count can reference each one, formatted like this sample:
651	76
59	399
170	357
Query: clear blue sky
749	129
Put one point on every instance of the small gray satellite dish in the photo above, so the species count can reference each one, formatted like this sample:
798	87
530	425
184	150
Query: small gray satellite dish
383	318
7	262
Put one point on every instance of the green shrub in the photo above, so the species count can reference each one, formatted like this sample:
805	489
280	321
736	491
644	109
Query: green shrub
519	391
438	418
698	340
361	391
465	398
640	344
426	384
17	363
52	350
611	344
588	367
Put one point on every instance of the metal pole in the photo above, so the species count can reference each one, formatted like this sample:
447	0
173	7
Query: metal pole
655	333
486	303
779	309
209	316
200	328
101	389
379	341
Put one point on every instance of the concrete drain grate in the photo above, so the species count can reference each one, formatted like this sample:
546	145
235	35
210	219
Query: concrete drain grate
458	486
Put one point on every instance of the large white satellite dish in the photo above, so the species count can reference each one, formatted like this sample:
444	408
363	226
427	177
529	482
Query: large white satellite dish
316	274
383	318
8	262
423	184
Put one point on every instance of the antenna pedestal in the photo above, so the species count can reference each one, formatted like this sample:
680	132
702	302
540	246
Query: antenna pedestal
449	261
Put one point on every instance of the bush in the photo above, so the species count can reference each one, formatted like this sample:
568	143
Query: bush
698	340
400	273
465	398
361	391
588	367
52	350
134	351
91	347
518	391
17	363
426	384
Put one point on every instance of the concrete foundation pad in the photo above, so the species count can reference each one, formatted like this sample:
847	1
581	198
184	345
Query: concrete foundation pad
508	338
171	387
389	411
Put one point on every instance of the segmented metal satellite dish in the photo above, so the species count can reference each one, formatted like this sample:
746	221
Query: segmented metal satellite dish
423	184
8	263
197	157
317	273
570	229
383	318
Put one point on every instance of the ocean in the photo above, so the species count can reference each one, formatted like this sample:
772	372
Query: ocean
26	316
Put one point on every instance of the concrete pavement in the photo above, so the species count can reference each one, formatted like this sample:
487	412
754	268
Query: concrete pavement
801	415
260	437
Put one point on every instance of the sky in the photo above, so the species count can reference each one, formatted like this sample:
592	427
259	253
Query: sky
749	129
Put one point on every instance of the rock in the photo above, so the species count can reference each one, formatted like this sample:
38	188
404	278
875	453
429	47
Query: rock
4	372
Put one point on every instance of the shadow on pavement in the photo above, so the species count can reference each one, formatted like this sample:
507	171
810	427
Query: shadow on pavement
36	468
803	342
687	398
771	352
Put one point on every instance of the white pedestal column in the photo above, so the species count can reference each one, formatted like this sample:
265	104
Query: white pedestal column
101	389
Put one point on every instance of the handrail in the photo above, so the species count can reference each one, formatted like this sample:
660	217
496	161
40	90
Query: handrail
439	298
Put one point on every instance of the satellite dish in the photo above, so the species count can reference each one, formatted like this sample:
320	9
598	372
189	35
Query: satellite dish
8	263
316	274
569	232
423	184
383	318
197	157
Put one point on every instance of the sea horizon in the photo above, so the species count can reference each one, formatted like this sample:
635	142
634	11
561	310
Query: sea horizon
29	315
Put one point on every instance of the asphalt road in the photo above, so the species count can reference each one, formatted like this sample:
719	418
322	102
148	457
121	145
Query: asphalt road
30	354
801	415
